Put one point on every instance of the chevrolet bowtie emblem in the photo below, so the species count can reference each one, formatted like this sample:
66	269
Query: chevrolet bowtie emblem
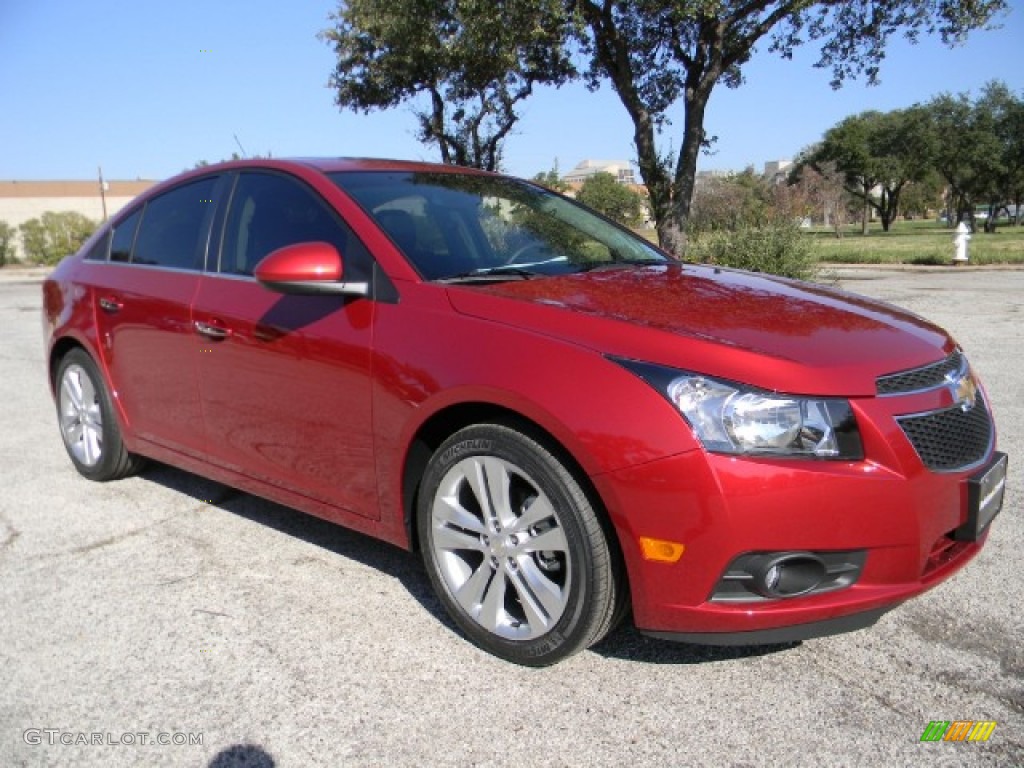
963	389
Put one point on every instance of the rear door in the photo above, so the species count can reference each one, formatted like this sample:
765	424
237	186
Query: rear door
143	313
284	379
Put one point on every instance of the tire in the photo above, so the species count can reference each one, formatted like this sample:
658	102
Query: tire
514	548
88	425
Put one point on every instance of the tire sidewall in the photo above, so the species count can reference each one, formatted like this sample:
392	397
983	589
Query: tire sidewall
571	631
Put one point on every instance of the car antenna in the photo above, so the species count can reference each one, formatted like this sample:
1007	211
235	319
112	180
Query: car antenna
244	153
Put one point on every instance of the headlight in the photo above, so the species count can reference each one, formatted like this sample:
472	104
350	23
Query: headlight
734	418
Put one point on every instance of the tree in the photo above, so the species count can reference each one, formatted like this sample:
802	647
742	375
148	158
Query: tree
466	64
655	54
975	147
999	112
54	235
731	202
616	201
921	198
878	151
551	179
7	233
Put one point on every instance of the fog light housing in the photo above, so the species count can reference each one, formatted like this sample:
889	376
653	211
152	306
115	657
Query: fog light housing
764	576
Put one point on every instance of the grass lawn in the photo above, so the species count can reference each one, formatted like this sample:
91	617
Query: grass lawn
917	242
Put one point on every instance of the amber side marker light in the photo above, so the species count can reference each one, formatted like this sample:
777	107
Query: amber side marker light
660	550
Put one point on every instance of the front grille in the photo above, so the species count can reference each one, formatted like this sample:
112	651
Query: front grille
950	439
918	379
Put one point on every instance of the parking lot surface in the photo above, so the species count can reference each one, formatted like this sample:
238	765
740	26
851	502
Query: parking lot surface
167	607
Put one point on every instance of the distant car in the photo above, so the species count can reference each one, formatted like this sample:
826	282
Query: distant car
565	421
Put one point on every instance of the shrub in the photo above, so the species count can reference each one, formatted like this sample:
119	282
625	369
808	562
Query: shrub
54	235
7	233
776	247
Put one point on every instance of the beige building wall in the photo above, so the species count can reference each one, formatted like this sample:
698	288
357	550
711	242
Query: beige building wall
24	200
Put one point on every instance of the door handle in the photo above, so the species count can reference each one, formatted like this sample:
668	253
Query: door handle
111	305
210	331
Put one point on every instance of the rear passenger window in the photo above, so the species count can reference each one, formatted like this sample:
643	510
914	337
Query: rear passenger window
124	236
269	211
173	225
99	250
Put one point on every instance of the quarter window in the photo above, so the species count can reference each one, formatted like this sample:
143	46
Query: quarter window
173	225
124	236
99	251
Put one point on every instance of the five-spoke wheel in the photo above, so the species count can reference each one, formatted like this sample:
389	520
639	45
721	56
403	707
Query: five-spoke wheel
514	548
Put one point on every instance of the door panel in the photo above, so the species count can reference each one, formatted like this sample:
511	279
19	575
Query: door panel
284	379
286	393
146	335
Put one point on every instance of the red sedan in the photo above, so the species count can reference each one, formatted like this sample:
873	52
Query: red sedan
565	422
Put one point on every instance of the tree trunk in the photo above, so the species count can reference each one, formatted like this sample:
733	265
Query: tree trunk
672	231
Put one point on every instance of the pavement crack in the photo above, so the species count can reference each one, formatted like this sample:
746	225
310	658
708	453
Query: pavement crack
8	533
94	545
212	613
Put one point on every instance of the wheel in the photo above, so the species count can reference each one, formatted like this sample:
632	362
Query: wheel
514	548
87	423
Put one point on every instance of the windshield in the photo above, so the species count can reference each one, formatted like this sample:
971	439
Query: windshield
466	227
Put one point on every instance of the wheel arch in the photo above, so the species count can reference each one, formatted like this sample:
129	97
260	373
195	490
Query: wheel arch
60	348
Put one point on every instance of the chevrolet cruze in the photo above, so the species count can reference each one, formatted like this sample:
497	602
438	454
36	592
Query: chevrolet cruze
568	424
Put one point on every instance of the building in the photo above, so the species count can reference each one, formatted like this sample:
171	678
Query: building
777	170
622	170
24	200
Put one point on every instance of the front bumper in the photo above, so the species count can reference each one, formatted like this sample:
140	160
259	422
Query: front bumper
719	507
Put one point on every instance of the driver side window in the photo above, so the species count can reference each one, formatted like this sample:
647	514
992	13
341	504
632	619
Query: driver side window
269	211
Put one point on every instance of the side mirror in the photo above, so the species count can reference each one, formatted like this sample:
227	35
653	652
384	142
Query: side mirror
306	268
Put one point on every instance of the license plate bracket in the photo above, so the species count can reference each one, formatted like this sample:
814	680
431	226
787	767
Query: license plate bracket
985	491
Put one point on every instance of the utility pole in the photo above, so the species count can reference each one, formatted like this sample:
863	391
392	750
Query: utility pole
103	191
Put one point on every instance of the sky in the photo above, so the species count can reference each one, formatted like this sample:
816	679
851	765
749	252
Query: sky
147	89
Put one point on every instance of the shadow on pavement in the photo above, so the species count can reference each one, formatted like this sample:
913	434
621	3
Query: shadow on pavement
624	643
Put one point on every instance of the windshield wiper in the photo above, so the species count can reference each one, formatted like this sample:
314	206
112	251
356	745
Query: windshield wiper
489	274
619	263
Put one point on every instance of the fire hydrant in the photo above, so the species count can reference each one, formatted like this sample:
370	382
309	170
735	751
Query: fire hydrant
963	234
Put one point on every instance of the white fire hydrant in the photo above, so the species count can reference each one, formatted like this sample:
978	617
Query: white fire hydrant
963	234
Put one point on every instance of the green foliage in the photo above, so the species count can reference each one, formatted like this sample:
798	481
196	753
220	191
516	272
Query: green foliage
7	233
464	64
616	201
656	54
978	148
731	202
776	248
54	235
879	153
552	180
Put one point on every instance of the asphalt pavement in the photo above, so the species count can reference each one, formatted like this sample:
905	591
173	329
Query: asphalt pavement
170	608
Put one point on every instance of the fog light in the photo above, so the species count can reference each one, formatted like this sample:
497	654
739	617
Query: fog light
789	575
661	550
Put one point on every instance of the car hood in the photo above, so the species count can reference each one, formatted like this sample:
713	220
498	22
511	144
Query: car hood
770	332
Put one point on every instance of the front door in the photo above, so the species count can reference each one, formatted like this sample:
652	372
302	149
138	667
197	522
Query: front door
285	380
